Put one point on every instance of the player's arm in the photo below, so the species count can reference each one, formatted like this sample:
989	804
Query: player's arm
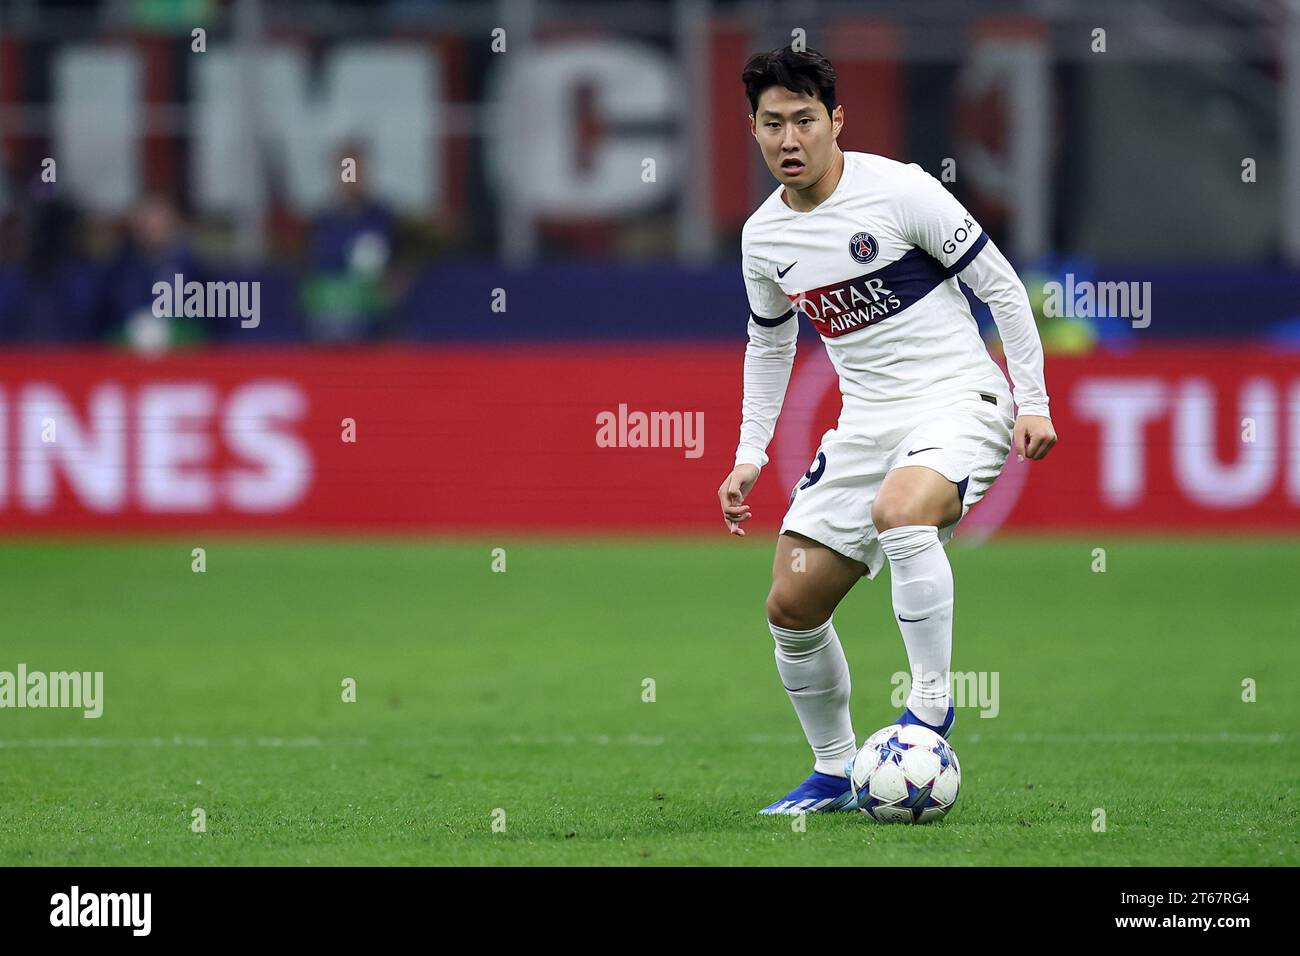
992	278
939	224
769	357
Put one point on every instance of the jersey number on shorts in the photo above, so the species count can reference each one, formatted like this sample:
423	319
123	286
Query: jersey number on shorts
812	475
815	471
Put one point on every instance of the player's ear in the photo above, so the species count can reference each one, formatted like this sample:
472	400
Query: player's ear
837	119
753	127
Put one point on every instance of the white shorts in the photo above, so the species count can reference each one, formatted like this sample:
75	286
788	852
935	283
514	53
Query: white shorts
966	441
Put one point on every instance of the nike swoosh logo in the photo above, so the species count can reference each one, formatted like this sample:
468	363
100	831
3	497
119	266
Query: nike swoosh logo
912	620
780	273
795	690
919	450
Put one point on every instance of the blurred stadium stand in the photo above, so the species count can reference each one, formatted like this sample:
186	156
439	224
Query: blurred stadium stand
476	164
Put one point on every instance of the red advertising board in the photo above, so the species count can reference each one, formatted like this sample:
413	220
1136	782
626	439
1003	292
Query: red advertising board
590	438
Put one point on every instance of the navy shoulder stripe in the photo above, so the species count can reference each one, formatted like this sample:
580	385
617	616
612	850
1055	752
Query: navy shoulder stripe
969	255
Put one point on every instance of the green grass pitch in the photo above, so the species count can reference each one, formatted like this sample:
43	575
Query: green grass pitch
517	698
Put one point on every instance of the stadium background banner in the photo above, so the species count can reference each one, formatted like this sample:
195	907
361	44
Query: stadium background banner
540	438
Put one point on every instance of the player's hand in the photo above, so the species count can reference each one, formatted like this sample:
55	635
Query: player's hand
1033	437
732	496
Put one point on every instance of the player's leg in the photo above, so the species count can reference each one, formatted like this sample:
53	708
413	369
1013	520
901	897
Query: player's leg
808	582
914	502
940	471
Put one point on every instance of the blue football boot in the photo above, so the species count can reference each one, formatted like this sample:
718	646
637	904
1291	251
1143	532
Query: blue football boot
820	793
911	718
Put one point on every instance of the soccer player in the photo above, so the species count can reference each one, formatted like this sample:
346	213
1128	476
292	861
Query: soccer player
869	250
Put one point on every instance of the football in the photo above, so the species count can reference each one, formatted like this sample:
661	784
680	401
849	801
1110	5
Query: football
905	774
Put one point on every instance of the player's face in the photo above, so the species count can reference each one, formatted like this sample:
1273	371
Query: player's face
796	134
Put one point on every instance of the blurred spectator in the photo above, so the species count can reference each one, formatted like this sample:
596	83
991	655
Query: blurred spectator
351	249
156	250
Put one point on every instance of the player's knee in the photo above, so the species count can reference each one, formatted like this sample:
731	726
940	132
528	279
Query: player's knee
894	512
785	609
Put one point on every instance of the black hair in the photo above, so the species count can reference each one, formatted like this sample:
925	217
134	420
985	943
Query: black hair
804	71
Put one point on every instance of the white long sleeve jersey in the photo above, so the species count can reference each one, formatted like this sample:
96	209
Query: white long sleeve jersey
874	268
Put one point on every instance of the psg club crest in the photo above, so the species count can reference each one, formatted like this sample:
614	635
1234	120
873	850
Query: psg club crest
863	247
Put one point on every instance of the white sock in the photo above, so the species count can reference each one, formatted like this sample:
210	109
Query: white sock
816	675
921	582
